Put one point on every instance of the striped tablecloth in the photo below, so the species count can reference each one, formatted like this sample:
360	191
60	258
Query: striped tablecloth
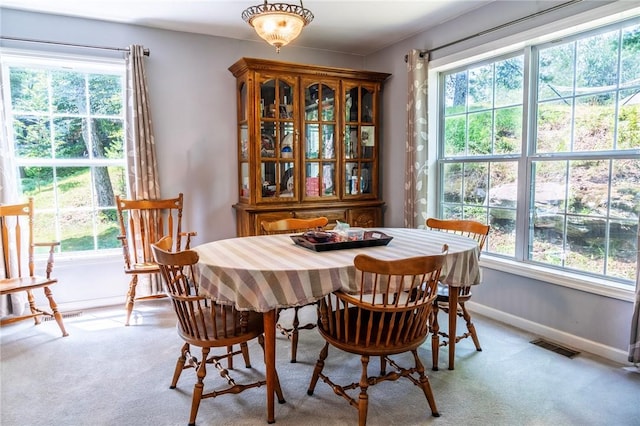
266	272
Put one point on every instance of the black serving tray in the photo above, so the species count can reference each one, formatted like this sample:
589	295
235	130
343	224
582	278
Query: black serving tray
371	239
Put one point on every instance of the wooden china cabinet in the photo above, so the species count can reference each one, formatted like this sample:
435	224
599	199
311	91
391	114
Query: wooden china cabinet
308	143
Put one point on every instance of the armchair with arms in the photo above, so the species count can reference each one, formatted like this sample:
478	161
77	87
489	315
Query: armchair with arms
143	222
18	256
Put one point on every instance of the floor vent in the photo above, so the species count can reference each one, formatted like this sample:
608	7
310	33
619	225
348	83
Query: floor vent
569	353
64	316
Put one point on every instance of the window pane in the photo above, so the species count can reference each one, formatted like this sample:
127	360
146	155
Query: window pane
502	236
630	59
629	119
74	186
509	81
623	249
105	94
455	97
548	201
476	182
455	135
29	90
481	88
595	122
555	72
480	126
554	127
107	138
69	138
508	134
32	137
108	229
503	202
44	226
452	183
37	182
597	62
69	94
76	230
625	189
117	176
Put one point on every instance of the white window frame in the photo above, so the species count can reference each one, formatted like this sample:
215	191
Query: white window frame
492	51
81	63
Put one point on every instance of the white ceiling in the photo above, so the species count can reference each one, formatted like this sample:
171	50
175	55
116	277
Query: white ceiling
351	26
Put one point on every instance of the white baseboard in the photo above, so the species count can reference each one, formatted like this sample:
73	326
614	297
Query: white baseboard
557	336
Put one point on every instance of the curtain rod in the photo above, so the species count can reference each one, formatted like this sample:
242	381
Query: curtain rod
498	27
85	46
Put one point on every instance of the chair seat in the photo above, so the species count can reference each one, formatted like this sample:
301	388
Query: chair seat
13	285
141	268
225	327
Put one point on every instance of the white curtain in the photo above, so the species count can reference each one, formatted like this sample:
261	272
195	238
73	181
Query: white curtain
416	167
16	303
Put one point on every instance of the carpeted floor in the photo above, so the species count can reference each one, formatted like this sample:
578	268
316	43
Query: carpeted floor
107	374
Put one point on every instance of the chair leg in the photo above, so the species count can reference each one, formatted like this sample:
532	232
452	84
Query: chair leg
294	334
33	307
470	327
199	387
425	385
435	337
54	310
179	365
245	355
363	398
318	368
131	295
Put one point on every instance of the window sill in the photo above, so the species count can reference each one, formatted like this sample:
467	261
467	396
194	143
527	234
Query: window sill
587	284
77	258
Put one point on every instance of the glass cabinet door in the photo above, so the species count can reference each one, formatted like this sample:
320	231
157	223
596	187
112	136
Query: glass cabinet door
359	140
277	138
320	154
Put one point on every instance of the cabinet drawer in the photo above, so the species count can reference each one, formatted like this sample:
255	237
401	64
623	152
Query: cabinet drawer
369	217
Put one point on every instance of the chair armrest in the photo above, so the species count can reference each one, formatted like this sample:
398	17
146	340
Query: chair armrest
52	245
188	234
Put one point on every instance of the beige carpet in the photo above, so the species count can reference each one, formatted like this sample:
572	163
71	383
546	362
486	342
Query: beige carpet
108	374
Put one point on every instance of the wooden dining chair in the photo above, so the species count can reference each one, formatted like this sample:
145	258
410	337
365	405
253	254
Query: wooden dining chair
477	231
388	314
143	222
205	324
18	248
287	226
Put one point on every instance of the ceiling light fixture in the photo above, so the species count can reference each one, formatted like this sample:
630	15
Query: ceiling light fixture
278	23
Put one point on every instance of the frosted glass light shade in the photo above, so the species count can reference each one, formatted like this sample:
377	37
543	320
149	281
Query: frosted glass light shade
278	23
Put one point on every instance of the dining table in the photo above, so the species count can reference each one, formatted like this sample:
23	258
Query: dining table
267	272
